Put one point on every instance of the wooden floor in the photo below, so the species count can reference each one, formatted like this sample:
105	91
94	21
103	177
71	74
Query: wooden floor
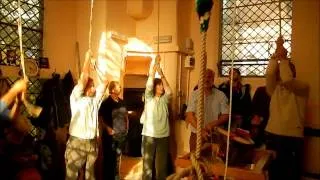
131	168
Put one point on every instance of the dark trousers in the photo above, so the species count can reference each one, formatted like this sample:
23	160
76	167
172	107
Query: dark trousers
287	164
112	151
155	151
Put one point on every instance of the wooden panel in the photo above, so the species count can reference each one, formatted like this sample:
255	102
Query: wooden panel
137	65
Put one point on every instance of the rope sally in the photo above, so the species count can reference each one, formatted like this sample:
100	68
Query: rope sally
203	8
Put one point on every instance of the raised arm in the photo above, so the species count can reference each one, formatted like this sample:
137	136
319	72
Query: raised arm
149	85
14	112
166	86
83	79
78	90
288	81
271	76
19	87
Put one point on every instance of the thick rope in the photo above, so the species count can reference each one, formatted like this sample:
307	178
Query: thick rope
200	102
196	165
203	10
231	89
20	40
183	173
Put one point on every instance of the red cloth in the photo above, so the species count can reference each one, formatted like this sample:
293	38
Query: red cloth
29	174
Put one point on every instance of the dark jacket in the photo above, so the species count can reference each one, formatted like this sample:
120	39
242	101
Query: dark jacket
241	101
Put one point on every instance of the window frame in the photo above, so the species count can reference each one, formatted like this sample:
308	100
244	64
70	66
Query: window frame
36	53
250	62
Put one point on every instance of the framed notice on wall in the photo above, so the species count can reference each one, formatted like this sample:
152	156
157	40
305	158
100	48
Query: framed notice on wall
44	62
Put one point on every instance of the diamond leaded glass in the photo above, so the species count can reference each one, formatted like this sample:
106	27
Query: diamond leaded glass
257	25
32	32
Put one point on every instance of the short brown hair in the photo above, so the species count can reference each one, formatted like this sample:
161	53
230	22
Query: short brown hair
156	82
89	82
112	85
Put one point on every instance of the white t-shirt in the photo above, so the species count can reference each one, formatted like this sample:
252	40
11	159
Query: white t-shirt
84	111
214	105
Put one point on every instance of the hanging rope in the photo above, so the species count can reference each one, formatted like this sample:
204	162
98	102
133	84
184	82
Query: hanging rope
204	12
158	57
90	25
93	64
231	85
20	11
33	110
280	28
158	45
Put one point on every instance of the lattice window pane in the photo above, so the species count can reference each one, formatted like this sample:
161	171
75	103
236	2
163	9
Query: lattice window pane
256	28
32	33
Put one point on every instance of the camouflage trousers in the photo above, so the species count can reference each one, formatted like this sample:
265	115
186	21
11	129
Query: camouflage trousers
80	152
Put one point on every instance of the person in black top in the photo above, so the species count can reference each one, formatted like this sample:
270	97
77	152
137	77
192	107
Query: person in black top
114	115
260	115
241	100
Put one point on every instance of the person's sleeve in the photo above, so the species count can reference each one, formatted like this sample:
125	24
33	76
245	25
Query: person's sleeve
192	103
167	95
101	109
100	91
286	75
149	88
224	107
271	76
255	101
4	111
247	101
142	117
76	93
